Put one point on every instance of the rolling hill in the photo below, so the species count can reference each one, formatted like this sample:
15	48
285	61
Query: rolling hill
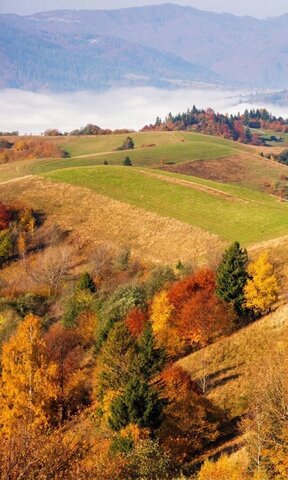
170	178
166	208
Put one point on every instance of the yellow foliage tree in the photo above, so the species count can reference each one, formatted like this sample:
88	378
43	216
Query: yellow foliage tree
27	383
162	324
232	468
21	245
86	325
161	310
261	290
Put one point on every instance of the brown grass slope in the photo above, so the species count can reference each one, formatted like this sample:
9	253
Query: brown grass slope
101	219
249	170
229	364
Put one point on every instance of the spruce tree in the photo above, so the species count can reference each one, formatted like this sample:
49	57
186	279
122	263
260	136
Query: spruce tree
117	359
150	358
139	404
232	276
127	162
86	282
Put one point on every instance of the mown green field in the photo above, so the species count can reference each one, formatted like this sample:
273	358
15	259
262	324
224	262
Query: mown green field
151	149
162	142
233	213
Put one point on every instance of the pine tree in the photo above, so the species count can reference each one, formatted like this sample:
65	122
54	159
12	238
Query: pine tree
139	404
116	360
150	358
127	162
86	282
232	276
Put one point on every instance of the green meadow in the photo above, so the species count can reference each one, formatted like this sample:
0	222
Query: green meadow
233	213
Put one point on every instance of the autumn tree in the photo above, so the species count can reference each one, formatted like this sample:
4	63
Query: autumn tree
64	349
190	420
101	261
204	316
232	276
161	310
136	321
28	377
5	245
148	460
52	268
234	467
261	290
5	216
26	220
162	323
21	246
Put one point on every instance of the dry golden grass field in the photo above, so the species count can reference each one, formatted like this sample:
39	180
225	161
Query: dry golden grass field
98	218
231	364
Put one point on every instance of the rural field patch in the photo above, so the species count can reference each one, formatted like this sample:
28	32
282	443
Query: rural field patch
249	216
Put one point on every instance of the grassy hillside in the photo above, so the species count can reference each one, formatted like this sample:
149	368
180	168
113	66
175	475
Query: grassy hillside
230	212
230	363
245	169
173	144
98	218
151	149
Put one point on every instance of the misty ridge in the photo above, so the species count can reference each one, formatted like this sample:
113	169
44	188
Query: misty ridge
164	46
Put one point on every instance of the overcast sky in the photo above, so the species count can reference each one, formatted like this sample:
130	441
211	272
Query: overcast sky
257	8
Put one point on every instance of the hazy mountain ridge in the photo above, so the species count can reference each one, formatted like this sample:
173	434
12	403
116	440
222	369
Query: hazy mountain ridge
102	48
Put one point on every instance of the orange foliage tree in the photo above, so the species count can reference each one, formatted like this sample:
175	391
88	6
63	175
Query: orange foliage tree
190	421
28	377
5	216
199	315
163	324
64	349
135	321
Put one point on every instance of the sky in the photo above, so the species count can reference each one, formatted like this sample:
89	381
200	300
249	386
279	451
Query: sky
256	8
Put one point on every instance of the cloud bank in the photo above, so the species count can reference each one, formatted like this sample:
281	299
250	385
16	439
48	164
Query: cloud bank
30	112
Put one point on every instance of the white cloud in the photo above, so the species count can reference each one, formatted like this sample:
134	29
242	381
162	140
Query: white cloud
30	112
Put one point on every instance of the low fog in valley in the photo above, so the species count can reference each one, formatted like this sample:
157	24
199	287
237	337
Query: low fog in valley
30	112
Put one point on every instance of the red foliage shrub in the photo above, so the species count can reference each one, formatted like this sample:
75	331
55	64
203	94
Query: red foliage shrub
5	216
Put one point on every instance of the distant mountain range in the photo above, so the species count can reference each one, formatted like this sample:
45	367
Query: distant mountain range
161	46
